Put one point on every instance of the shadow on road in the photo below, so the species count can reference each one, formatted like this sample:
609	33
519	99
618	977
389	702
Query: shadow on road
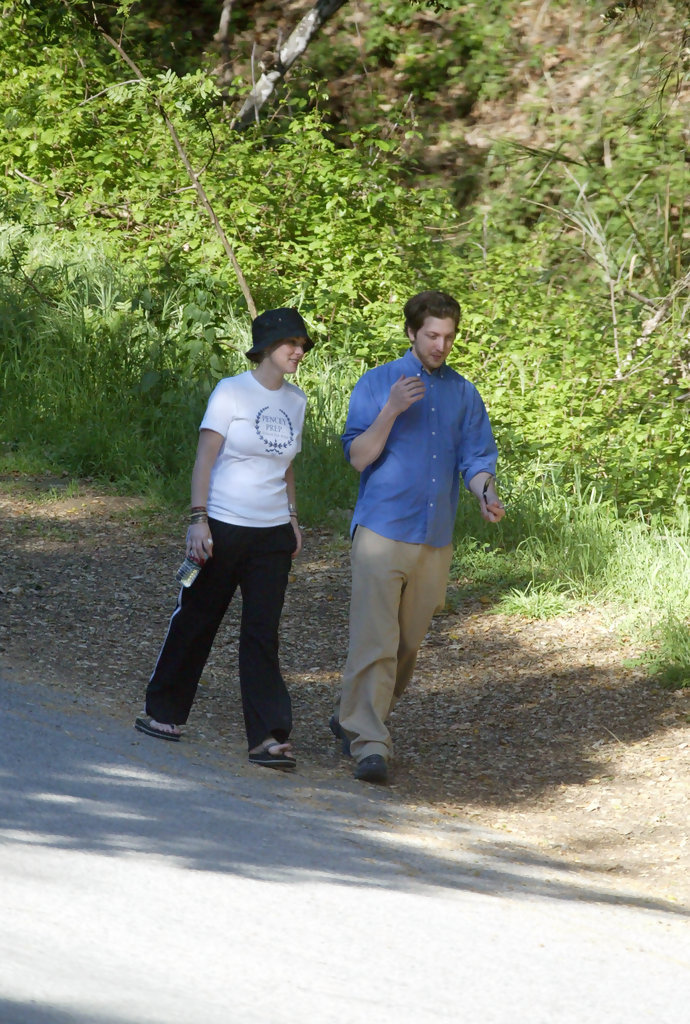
74	781
13	1011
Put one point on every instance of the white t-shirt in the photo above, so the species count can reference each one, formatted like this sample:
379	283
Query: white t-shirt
263	433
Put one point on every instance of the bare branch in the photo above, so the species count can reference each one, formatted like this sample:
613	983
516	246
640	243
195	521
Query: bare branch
222	38
294	47
640	298
664	309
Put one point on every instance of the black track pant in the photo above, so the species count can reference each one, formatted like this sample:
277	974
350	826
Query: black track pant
257	559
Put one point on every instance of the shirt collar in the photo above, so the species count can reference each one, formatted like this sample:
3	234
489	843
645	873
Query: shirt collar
420	369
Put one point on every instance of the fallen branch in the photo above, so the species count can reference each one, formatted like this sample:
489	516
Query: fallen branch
664	309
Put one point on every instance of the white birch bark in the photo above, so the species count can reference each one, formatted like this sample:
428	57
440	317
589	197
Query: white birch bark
289	52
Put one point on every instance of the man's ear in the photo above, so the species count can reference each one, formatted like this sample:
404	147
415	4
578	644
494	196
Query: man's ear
410	334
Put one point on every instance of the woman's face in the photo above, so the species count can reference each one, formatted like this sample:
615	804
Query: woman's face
286	355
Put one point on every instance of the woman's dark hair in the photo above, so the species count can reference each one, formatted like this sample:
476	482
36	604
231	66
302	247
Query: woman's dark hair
424	304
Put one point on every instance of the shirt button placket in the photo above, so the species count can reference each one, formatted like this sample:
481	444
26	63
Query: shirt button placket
433	418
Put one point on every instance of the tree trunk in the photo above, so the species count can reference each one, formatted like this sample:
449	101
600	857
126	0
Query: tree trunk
294	47
222	39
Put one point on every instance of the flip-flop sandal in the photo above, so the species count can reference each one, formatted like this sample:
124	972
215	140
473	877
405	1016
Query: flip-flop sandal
144	725
266	759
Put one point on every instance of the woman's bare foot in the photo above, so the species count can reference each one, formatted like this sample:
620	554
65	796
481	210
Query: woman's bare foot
162	730
164	727
274	745
273	754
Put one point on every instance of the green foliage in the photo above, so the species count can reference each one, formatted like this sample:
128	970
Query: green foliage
539	601
331	227
668	659
558	548
435	51
327	485
549	371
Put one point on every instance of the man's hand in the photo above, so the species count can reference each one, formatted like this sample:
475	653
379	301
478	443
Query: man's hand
405	392
492	508
368	445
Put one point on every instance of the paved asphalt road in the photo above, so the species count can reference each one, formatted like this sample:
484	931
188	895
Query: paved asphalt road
142	883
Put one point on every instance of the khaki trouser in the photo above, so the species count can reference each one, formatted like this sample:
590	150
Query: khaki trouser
396	588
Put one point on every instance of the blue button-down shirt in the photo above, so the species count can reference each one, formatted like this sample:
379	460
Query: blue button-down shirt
410	492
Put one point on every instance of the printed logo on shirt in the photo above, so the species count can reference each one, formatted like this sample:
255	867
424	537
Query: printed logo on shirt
274	429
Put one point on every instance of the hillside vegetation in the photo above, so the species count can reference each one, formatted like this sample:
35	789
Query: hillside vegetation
528	157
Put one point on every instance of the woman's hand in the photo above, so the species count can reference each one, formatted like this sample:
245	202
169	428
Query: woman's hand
199	542
298	537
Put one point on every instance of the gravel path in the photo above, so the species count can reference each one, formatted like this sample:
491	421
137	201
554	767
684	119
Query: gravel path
539	730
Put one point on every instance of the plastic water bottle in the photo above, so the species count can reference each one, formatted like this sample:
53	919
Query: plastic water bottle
188	571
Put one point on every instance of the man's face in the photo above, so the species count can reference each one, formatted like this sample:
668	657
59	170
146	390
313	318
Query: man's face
433	341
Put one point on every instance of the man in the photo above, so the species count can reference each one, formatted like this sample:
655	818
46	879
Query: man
414	426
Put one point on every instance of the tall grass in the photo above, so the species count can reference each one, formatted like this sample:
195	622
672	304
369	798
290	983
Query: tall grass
649	576
107	380
560	548
327	485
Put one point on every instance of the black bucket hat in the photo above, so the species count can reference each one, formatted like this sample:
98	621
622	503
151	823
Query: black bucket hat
276	325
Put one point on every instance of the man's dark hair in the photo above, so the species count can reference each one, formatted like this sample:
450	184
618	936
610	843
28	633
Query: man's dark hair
438	304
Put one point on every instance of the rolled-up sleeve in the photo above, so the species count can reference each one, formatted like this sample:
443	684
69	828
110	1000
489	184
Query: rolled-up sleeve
362	411
477	451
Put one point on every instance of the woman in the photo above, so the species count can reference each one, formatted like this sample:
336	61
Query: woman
244	529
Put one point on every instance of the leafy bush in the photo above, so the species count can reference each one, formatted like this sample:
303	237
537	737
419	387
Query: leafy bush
120	311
